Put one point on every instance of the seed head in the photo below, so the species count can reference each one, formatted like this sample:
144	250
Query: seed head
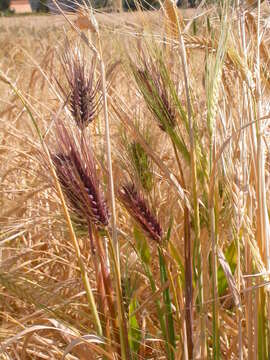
154	89
138	208
83	95
142	164
76	171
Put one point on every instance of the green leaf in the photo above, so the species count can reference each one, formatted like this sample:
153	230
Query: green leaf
168	306
142	246
134	333
231	258
169	232
143	250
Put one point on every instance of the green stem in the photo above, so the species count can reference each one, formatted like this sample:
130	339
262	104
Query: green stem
167	303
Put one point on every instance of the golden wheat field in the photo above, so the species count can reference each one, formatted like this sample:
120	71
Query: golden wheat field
135	184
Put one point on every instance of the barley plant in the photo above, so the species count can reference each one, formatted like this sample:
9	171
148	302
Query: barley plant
134	184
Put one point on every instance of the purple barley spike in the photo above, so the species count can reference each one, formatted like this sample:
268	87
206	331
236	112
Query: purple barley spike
138	208
84	99
76	171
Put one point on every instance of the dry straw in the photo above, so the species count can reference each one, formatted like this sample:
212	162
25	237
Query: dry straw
195	287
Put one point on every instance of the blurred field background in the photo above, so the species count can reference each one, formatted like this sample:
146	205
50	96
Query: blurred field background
188	107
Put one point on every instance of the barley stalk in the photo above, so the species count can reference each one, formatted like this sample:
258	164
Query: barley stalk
173	16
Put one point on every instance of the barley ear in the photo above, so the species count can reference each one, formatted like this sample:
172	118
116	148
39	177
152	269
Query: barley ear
172	20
